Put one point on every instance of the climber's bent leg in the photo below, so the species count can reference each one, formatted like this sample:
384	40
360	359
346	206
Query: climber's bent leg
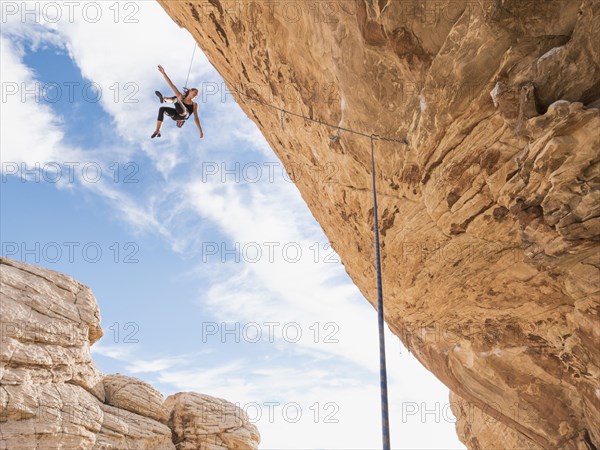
166	110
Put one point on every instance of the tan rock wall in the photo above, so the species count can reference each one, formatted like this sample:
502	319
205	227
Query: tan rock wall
490	213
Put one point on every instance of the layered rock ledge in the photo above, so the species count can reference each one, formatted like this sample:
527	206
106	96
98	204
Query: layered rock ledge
489	214
52	396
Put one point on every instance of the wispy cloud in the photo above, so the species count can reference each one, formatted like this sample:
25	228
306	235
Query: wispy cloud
118	352
30	132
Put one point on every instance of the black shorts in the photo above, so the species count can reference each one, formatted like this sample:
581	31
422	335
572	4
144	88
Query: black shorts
180	112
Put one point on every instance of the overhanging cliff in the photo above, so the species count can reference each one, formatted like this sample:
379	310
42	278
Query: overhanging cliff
489	216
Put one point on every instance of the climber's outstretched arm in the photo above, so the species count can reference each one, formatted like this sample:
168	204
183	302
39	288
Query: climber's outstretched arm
197	120
175	90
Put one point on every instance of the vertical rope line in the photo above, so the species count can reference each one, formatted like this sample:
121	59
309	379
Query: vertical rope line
385	420
190	69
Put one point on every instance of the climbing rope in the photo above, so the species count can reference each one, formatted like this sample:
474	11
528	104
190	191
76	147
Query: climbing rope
385	421
190	69
310	119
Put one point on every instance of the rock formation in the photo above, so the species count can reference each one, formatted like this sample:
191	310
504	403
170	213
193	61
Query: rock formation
489	214
52	396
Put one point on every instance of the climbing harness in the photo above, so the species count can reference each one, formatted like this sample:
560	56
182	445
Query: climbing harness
385	423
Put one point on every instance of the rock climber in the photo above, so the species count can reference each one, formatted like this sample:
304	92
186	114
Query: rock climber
184	106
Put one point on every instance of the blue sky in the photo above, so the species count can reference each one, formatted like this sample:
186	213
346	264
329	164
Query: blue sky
155	212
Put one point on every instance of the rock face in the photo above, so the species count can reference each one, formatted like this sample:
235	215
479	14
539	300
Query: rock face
489	213
52	396
200	421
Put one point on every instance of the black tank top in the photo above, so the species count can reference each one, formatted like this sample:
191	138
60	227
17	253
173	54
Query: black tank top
181	111
190	108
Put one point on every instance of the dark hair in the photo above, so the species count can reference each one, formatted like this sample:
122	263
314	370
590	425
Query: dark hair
186	91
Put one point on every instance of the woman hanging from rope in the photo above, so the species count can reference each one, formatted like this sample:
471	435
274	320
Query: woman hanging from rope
184	106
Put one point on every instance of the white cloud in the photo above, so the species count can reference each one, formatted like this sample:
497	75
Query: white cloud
335	410
281	291
121	352
30	132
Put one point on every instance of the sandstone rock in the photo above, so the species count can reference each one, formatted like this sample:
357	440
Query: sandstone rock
201	421
48	415
489	216
480	428
122	429
134	395
48	323
51	394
